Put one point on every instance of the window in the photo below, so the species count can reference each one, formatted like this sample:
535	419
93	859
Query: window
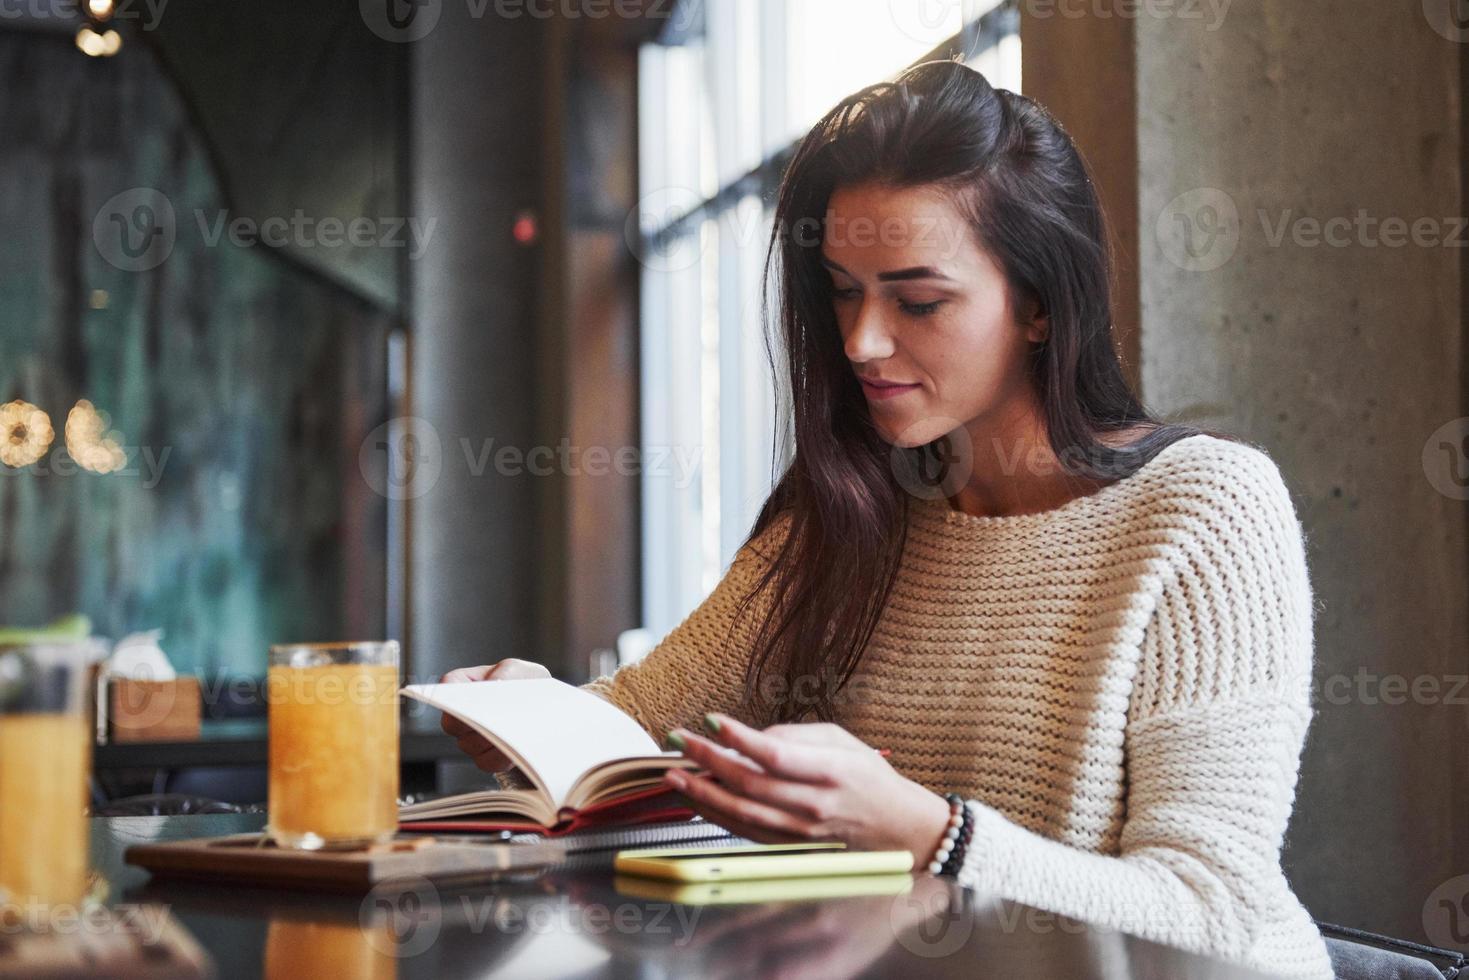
722	107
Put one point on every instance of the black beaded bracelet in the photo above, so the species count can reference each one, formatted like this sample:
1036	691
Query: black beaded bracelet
949	857
961	847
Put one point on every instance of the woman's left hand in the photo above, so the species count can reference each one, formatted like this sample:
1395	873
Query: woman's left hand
807	782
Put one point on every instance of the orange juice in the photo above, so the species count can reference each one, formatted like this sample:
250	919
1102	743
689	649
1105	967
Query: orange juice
44	761
333	754
328	949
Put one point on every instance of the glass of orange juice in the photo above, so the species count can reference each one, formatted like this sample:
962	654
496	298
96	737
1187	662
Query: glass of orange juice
45	765
333	744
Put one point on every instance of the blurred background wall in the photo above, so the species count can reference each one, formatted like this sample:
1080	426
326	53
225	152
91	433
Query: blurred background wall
195	463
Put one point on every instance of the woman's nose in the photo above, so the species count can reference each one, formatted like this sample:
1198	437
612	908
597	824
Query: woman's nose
869	339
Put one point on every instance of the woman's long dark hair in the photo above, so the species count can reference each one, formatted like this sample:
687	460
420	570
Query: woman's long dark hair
1031	205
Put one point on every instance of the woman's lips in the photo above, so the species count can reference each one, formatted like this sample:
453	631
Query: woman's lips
883	390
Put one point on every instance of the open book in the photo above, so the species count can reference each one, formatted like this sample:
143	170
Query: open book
588	763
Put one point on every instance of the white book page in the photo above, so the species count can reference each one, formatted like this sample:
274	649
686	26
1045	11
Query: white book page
553	731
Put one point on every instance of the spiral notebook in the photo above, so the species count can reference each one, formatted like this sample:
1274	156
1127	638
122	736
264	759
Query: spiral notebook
597	848
696	831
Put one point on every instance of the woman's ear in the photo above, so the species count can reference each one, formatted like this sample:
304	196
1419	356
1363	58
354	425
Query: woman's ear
1039	329
1037	323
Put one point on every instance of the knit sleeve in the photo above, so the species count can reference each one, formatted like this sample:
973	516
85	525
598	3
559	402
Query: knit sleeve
1216	723
700	666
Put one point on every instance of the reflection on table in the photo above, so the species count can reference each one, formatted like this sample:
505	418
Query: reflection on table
587	923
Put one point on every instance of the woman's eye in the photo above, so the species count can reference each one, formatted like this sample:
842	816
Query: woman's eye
920	309
837	293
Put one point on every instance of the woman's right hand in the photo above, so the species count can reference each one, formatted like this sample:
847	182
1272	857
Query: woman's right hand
474	745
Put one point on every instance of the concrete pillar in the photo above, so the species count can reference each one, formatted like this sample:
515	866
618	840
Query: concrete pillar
476	161
1299	170
1292	223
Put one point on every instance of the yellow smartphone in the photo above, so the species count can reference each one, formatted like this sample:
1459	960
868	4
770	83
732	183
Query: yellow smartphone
759	891
759	861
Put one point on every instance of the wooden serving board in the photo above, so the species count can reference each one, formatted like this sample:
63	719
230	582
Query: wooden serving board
251	859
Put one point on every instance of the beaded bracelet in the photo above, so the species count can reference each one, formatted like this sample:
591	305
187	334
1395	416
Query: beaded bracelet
950	854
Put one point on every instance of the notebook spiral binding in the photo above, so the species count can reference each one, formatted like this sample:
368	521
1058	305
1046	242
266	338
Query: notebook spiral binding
591	848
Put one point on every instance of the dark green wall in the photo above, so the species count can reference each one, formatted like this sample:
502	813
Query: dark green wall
243	382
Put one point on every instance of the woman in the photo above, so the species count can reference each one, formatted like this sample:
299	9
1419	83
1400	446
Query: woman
1092	629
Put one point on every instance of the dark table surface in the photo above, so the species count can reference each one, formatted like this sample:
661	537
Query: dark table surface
576	923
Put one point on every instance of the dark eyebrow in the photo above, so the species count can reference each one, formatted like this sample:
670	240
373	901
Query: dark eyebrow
896	275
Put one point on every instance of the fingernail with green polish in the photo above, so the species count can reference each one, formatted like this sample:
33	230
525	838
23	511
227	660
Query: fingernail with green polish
675	740
711	723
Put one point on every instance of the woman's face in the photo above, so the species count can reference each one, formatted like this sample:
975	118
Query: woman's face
924	313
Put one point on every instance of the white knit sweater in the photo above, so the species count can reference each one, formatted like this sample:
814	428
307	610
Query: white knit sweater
1119	685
